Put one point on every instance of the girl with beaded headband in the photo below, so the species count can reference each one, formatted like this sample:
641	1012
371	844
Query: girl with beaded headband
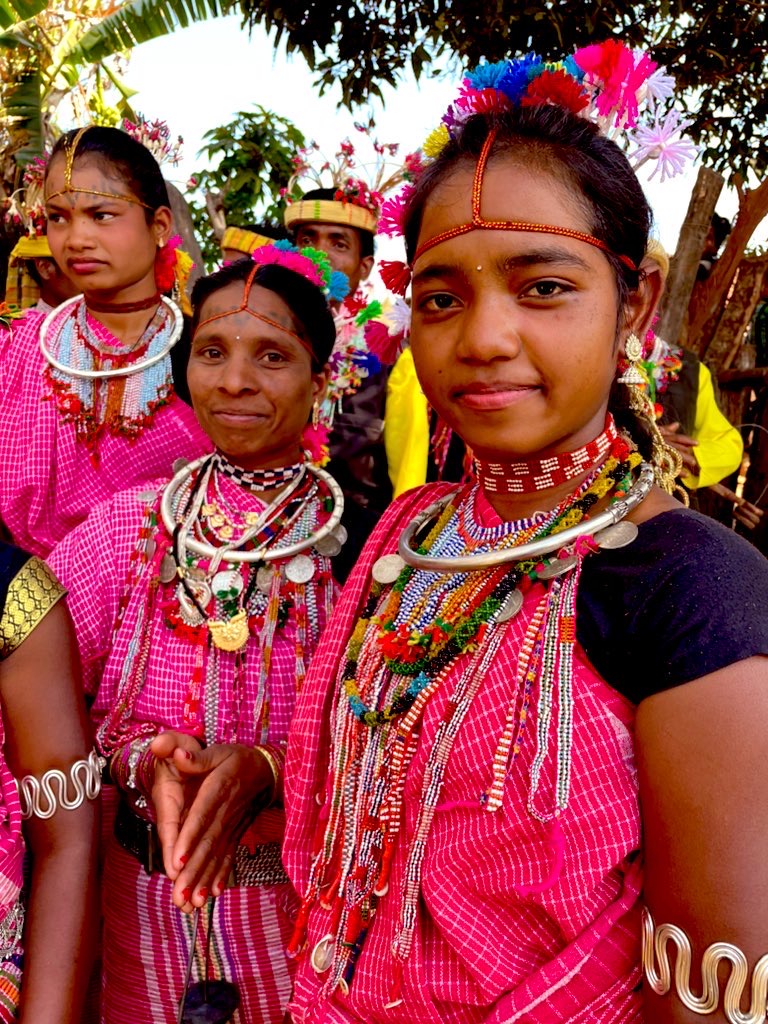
89	393
511	656
198	607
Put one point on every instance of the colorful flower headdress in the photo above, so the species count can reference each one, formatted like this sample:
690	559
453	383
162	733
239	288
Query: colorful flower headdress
359	189
156	137
621	90
310	263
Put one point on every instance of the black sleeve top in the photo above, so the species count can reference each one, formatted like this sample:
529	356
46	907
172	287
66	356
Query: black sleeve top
687	597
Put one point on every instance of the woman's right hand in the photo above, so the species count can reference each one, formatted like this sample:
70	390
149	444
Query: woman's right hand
173	792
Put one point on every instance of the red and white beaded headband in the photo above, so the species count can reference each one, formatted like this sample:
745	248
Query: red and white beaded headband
245	308
480	222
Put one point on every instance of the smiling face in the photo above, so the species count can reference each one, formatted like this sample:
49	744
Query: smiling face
251	384
515	333
105	245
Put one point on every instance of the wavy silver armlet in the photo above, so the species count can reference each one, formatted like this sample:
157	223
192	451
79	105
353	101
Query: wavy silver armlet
43	796
655	939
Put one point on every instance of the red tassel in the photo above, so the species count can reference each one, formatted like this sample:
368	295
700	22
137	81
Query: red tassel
396	275
165	263
381	343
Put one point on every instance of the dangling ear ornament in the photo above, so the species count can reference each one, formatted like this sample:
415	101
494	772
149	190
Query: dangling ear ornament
633	350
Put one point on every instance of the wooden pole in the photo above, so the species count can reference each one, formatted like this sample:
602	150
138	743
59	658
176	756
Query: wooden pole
685	262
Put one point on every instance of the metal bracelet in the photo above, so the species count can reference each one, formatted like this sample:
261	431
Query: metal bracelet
655	939
84	775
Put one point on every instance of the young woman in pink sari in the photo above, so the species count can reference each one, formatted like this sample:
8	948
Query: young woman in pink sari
518	665
88	393
198	604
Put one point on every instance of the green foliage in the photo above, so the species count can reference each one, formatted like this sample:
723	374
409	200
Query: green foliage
141	20
252	160
716	49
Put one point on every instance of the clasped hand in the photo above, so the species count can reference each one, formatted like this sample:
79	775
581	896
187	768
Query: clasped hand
204	800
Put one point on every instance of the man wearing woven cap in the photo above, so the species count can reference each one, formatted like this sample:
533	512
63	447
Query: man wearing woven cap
237	242
343	228
34	277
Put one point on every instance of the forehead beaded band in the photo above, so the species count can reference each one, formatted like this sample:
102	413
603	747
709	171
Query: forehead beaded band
70	152
478	221
245	308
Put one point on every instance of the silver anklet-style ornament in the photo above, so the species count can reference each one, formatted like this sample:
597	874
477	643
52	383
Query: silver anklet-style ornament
655	939
38	797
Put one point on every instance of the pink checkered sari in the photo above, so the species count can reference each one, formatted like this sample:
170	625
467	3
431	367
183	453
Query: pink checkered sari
48	483
146	939
518	921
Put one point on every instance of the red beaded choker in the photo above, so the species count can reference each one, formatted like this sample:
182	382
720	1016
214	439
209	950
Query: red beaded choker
540	474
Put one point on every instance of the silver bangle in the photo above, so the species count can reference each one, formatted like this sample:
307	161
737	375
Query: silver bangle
655	939
85	776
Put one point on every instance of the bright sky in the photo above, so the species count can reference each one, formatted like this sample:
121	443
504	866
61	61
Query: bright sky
199	77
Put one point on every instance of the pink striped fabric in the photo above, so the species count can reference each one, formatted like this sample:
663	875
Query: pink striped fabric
146	940
47	482
504	932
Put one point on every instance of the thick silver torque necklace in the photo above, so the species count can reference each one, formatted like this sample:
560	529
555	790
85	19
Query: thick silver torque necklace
533	549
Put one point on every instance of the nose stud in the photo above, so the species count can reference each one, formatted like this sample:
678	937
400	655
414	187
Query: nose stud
479	266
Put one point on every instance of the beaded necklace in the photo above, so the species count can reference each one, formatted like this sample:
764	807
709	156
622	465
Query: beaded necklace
411	635
230	615
122	406
525	477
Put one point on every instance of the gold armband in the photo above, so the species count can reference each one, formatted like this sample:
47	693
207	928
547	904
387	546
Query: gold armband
655	939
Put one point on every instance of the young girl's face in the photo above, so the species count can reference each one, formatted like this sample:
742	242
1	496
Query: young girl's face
105	244
515	334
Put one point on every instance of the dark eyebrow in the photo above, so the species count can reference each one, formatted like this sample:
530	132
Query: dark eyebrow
545	257
540	257
56	202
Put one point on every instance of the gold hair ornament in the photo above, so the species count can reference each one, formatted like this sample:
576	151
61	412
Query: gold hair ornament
70	149
667	461
655	939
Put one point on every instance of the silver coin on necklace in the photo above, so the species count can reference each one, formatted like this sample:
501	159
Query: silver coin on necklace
167	568
180	464
340	533
558	567
511	606
329	545
226	581
264	577
300	569
387	568
188	610
151	548
322	955
617	536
